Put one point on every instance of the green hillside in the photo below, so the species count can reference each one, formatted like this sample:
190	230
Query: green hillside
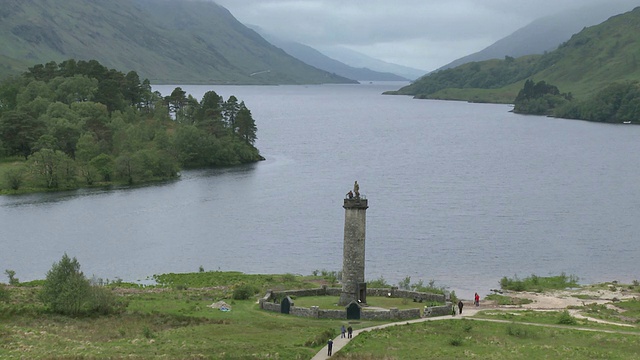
590	60
164	41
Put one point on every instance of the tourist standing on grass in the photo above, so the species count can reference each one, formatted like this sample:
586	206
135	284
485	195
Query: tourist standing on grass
477	300
350	331
329	347
460	305
343	330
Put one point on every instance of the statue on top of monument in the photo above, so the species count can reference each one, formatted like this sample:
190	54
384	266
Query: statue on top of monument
356	189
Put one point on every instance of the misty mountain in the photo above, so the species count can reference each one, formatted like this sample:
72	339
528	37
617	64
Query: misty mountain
589	61
545	34
360	60
165	41
315	58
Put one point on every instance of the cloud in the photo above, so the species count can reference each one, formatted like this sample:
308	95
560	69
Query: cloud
424	34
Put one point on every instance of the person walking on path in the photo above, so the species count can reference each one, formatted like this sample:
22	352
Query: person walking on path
350	331
460	305
477	300
342	332
329	347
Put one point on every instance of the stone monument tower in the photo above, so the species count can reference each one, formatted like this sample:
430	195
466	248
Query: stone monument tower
354	288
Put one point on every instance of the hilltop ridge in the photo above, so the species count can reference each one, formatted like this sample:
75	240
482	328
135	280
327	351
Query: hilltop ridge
164	41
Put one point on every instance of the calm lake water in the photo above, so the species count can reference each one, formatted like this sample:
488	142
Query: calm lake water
459	193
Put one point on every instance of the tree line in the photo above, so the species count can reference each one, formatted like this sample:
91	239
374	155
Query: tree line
78	123
615	103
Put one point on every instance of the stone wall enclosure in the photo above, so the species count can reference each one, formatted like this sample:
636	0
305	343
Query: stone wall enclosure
272	302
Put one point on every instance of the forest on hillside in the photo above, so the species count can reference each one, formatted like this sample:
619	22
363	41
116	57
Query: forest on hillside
77	123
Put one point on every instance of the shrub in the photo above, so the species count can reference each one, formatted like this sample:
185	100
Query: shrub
467	327
13	280
244	292
66	291
457	341
103	302
378	283
519	331
321	338
146	331
14	178
566	319
4	294
288	278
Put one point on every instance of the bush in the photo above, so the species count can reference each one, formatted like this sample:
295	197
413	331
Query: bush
520	332
379	283
4	293
244	292
288	278
66	291
321	338
14	178
103	302
539	283
13	280
566	319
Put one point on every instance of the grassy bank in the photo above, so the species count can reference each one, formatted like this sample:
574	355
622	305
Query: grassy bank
173	319
464	339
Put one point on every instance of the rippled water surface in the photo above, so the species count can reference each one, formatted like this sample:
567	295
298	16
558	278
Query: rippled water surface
459	193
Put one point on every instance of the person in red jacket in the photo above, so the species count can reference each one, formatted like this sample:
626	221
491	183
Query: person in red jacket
477	300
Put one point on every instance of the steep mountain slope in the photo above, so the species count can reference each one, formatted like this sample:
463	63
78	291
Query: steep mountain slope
165	41
317	59
545	34
590	60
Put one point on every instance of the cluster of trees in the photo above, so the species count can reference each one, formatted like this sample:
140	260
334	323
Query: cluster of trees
539	98
615	103
78	122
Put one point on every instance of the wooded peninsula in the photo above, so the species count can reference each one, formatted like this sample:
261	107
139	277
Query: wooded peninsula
79	124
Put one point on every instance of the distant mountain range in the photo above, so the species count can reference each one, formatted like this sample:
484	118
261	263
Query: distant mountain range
360	60
583	65
545	34
316	58
165	41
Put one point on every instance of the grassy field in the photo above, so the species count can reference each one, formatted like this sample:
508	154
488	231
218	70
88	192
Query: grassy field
173	320
469	339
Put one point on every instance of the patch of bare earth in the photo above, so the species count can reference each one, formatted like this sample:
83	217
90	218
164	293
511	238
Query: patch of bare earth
573	299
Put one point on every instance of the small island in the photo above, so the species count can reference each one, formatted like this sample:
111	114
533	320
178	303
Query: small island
79	124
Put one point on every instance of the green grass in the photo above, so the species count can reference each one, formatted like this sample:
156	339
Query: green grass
171	321
507	300
227	278
167	321
536	283
555	318
627	311
467	339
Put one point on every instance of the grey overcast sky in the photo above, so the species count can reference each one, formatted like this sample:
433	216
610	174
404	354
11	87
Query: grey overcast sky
423	34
